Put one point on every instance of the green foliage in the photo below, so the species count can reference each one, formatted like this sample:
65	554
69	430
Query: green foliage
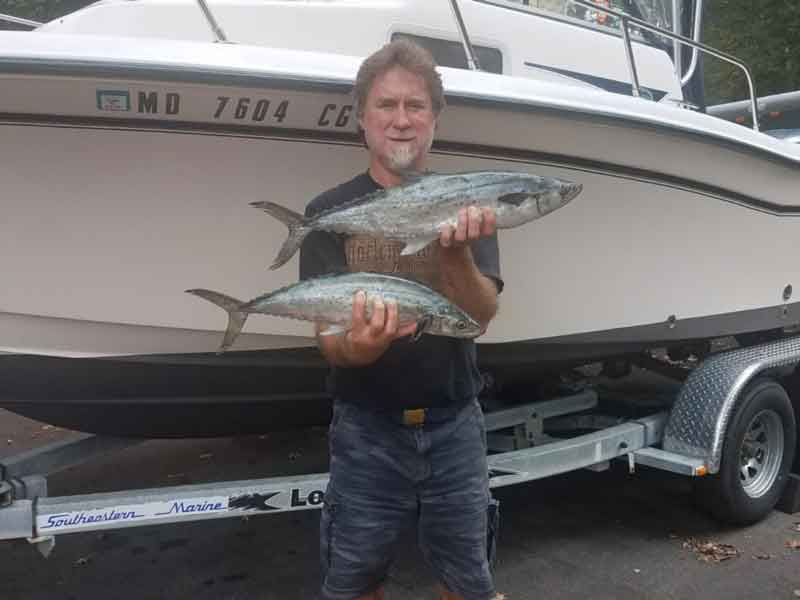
765	35
39	10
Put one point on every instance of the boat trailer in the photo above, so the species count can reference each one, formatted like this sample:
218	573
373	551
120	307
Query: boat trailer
732	427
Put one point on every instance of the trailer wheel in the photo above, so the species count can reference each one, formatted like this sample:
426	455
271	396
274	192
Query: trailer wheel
757	455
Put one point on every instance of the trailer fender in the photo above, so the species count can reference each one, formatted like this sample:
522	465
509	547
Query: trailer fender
701	414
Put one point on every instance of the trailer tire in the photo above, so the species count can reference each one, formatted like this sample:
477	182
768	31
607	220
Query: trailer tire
757	455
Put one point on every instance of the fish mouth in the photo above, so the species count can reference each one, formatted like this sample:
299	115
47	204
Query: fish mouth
569	191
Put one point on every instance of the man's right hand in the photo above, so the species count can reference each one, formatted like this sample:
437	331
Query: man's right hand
369	336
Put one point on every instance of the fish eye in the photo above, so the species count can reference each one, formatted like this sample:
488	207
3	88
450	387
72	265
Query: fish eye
461	325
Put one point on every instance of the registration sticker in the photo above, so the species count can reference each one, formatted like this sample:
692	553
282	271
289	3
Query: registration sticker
113	100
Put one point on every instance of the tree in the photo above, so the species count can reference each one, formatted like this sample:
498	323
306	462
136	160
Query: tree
38	10
765	35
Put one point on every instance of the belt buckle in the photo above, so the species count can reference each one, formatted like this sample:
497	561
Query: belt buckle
414	417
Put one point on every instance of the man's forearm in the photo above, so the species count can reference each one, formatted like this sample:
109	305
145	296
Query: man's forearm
465	285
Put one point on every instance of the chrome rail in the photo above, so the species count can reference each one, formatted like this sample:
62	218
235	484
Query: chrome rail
19	21
469	51
698	21
212	22
625	19
677	53
626	37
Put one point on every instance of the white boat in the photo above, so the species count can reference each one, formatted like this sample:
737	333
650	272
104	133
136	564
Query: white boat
133	142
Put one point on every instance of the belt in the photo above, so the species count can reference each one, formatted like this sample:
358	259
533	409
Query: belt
414	417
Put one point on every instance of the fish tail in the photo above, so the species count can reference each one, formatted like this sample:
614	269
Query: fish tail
295	222
236	317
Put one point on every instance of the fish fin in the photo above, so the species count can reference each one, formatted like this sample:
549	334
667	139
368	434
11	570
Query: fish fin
415	245
516	198
295	222
333	329
236	317
422	325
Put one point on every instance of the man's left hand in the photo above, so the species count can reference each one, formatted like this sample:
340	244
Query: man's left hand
473	223
462	281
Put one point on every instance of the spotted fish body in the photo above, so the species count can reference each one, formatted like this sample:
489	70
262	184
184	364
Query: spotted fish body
329	300
416	211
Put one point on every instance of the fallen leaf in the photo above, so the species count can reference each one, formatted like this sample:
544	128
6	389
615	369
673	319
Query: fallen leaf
84	560
762	556
711	551
793	544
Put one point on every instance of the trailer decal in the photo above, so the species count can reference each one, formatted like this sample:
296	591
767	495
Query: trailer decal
180	507
146	512
253	501
77	519
287	499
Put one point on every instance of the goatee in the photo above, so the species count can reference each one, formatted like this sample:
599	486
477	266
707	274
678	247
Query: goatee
402	158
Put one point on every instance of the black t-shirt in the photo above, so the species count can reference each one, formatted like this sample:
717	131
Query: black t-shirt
435	370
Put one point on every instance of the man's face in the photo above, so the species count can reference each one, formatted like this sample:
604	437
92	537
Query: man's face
398	120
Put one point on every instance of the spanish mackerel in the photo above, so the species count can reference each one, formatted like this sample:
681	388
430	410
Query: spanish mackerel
415	211
329	300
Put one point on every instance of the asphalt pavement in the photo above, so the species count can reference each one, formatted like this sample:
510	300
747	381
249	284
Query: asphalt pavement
584	535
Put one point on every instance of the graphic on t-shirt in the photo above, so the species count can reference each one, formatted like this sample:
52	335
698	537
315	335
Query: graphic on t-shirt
379	255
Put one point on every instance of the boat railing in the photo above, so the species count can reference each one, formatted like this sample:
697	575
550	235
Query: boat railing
212	22
19	21
626	20
698	21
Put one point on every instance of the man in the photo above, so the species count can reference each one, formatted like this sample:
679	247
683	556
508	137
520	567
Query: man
407	439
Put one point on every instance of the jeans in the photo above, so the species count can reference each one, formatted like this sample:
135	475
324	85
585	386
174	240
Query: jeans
386	477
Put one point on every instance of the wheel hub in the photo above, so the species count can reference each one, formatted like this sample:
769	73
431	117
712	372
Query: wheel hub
761	453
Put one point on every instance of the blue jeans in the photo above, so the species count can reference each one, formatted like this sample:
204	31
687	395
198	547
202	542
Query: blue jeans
386	477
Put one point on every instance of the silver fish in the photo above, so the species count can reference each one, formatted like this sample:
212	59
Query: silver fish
329	300
415	211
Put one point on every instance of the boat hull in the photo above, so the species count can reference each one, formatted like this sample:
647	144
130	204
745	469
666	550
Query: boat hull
129	182
103	244
197	396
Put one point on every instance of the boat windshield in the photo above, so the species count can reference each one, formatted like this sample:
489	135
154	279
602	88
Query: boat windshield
655	12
